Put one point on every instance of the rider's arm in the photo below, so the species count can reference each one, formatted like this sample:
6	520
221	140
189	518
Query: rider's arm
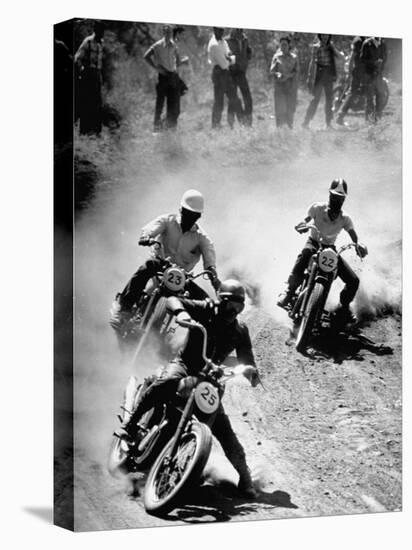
244	354
207	248
301	226
191	307
244	351
154	228
353	235
361	249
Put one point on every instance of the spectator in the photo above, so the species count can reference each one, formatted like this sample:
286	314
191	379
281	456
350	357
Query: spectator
178	33
322	73
284	68
88	62
239	47
220	59
356	71
373	55
164	58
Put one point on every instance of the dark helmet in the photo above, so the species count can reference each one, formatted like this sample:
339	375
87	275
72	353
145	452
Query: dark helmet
232	290
231	295
339	187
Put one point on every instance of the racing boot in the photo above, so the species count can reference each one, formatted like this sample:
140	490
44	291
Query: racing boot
245	484
343	316
118	315
284	299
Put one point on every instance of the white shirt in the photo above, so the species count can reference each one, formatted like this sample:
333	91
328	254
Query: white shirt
217	50
329	229
184	249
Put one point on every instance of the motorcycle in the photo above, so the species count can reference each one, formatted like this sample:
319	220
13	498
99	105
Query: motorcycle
149	314
174	438
307	306
358	103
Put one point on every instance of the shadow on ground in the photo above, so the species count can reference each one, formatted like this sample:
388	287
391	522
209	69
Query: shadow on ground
341	345
222	503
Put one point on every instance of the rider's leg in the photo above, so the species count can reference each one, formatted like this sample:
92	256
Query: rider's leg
136	284
298	271
234	451
351	280
159	392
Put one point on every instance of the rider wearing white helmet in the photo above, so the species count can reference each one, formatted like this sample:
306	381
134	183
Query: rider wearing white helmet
330	219
183	241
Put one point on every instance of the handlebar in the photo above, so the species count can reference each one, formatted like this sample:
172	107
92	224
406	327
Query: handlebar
321	240
194	324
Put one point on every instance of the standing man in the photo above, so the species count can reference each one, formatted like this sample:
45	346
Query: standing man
356	71
239	47
373	55
164	58
88	63
219	57
322	74
284	68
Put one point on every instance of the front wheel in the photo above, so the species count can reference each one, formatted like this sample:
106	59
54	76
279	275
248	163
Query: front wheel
309	317
171	476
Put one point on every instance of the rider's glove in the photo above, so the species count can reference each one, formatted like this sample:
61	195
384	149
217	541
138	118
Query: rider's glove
251	373
217	371
145	241
361	250
215	281
301	227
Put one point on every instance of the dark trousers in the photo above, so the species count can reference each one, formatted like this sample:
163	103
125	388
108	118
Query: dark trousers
138	281
374	96
223	85
355	89
165	387
345	272
323	81
285	102
89	100
240	81
167	89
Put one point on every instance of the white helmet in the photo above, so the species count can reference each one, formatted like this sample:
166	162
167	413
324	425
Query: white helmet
192	200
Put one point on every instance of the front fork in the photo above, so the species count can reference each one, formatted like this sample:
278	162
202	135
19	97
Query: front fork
187	413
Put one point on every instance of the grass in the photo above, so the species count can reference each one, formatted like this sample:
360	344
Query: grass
194	142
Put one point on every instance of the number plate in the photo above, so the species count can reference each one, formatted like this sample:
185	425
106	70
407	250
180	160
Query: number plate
174	279
207	397
328	260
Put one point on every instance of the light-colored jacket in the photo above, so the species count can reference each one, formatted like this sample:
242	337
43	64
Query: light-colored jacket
184	249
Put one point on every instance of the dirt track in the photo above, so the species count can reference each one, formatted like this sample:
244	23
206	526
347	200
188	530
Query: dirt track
323	439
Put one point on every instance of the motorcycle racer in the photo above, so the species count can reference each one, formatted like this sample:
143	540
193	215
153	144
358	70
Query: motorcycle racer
330	219
183	242
225	334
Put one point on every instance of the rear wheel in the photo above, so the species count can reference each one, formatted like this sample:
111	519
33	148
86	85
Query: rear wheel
118	455
170	477
310	315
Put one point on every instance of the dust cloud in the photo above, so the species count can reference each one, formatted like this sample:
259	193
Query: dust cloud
250	213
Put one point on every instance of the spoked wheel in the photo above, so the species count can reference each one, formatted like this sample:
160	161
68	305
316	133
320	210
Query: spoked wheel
171	476
310	315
